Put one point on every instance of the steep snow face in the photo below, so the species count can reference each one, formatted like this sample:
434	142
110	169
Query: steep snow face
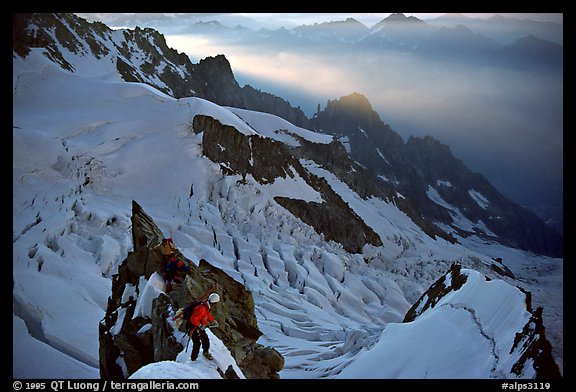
97	51
85	147
460	220
277	128
469	333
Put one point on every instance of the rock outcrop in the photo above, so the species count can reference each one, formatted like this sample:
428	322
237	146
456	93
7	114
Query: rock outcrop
129	340
359	178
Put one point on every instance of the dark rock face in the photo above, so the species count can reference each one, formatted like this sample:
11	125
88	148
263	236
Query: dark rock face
512	225
266	160
534	346
334	158
424	165
177	77
530	344
137	341
24	37
436	292
238	326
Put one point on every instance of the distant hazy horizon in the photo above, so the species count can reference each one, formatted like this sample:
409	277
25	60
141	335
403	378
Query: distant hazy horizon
370	19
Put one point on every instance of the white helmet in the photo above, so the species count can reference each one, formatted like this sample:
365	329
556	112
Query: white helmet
213	298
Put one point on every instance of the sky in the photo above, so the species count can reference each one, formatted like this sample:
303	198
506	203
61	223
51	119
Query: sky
328	312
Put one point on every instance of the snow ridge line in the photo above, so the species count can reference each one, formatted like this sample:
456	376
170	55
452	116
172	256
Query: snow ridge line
489	338
26	312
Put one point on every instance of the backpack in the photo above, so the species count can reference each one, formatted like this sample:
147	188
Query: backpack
168	248
173	264
182	322
171	243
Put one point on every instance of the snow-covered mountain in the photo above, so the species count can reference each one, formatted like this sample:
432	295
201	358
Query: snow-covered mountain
141	55
235	187
435	186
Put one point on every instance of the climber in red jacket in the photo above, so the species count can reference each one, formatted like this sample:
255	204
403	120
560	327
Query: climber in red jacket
200	319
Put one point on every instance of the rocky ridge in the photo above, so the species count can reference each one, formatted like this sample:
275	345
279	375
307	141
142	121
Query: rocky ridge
142	55
134	341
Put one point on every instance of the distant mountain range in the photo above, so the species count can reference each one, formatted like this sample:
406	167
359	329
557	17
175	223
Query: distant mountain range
411	53
495	41
500	28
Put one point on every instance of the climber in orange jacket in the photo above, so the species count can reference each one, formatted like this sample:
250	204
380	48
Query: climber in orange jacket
200	319
166	249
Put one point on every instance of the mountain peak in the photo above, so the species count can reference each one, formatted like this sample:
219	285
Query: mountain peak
399	17
348	20
454	16
529	40
355	107
357	100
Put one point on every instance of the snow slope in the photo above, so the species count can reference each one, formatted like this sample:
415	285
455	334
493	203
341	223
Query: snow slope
469	334
86	145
